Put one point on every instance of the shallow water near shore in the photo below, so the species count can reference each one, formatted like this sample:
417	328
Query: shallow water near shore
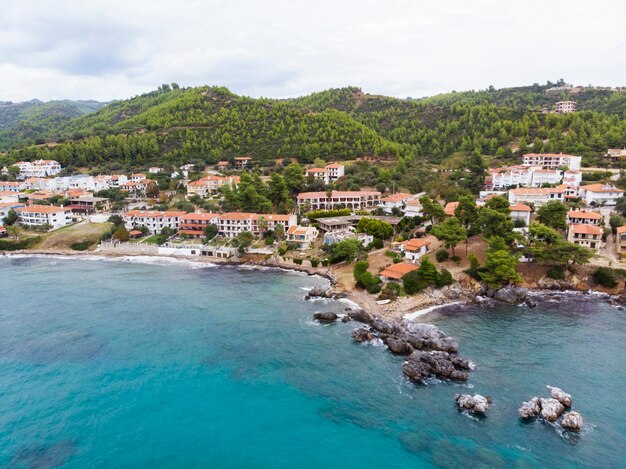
126	364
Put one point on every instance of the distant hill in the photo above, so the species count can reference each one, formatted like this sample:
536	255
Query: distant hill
31	120
207	124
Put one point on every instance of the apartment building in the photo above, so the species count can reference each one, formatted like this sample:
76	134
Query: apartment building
600	194
589	236
582	217
327	174
153	220
552	160
38	168
564	107
232	223
193	224
349	199
535	195
44	215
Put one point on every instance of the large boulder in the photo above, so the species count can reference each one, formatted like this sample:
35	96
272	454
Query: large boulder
572	421
326	316
511	295
551	409
318	292
428	337
477	404
399	347
362	335
530	409
360	316
386	327
560	395
422	365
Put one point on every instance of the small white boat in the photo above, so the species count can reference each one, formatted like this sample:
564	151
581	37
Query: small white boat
383	302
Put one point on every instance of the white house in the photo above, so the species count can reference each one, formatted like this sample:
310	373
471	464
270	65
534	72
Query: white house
398	200
582	217
153	220
521	212
303	235
572	178
600	194
589	236
414	249
535	195
329	173
38	168
42	215
232	223
552	160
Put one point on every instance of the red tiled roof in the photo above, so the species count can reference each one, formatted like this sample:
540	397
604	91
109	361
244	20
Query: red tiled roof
520	208
397	271
585	228
581	214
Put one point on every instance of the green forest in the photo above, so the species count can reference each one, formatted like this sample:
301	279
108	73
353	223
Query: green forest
174	125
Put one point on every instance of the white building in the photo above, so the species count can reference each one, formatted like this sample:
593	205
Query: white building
155	169
521	212
398	200
303	235
6	207
522	176
38	168
414	249
563	107
329	173
535	195
600	194
153	220
615	153
582	217
552	160
413	208
338	199
232	223
589	236
209	185
42	215
572	177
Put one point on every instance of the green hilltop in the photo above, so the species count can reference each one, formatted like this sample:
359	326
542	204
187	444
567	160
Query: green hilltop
175	125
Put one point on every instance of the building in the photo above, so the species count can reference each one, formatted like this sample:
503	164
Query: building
242	162
6	186
153	220
413	208
395	272
222	165
44	215
155	170
338	199
6	207
3	232
620	244
232	223
552	160
398	200
563	107
303	235
192	225
581	217
349	233
450	208
414	249
9	196
209	185
572	177
589	236
521	212
600	194
38	168
327	174
535	195
616	153
89	204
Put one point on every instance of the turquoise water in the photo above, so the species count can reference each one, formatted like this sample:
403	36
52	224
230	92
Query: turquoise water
120	364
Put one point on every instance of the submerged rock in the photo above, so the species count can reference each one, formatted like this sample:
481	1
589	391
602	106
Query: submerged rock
399	347
551	409
572	421
477	404
326	316
560	395
530	302
530	409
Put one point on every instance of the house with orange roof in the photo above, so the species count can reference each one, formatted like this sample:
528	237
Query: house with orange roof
572	178
521	212
44	215
209	185
338	199
395	272
9	196
242	162
413	208
578	217
600	194
303	235
399	200
535	195
414	249
6	207
589	236
192	225
329	173
232	223
450	208
153	220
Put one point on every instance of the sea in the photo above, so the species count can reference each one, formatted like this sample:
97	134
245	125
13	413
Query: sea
143	362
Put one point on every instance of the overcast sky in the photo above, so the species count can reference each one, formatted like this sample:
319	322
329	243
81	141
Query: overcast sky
114	49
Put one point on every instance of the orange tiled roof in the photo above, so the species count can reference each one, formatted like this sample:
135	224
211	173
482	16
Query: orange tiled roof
584	228
415	244
396	197
582	214
520	208
322	195
601	188
450	208
397	271
42	209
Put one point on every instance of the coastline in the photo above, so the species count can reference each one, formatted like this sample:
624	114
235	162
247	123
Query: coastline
403	308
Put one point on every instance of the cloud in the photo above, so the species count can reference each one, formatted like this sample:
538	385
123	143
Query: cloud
100	49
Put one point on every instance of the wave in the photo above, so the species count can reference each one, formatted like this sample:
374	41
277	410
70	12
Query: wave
147	260
350	303
422	312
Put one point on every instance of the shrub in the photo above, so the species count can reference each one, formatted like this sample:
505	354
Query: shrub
26	243
314	262
556	272
282	249
81	246
605	277
445	278
474	268
269	240
456	259
325	263
297	261
442	255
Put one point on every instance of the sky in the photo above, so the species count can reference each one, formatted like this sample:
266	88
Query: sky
93	49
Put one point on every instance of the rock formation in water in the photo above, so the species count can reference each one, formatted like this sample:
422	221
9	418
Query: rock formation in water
477	404
318	292
325	316
551	409
430	352
530	409
561	396
572	421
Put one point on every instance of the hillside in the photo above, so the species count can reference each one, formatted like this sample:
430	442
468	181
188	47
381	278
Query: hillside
27	122
207	124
